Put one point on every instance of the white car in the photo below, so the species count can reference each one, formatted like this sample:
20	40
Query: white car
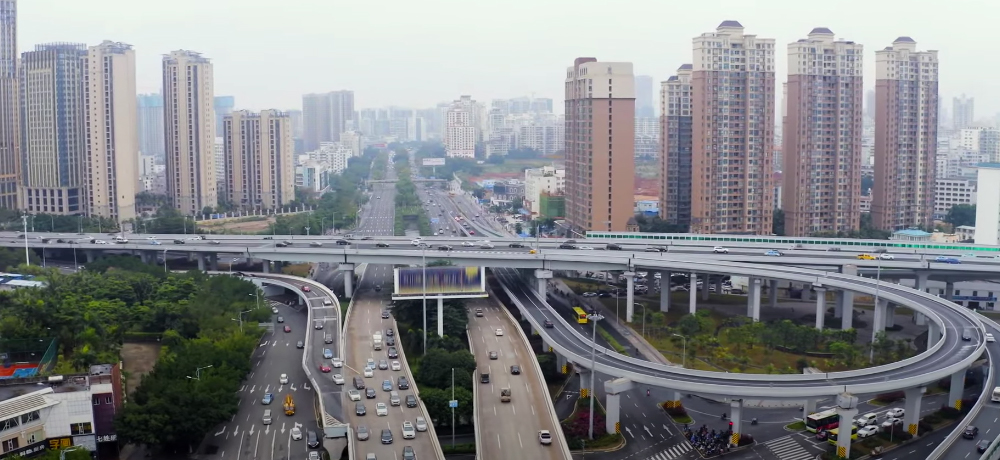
337	362
355	395
369	373
194	238
586	248
408	431
867	431
396	366
895	412
886	256
100	242
989	338
381	410
890	422
416	242
545	437
274	309
499	332
486	246
283	379
421	424
296	434
720	250
468	244
338	379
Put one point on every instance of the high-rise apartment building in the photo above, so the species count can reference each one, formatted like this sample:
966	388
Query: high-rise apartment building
462	128
189	130
325	116
644	97
53	138
222	106
149	116
906	111
732	93
260	162
821	173
10	131
675	147
112	163
600	138
963	112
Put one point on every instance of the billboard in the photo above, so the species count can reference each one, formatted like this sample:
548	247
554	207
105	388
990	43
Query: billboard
433	161
447	281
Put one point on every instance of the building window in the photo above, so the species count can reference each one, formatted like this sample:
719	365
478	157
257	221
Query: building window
81	428
11	444
108	400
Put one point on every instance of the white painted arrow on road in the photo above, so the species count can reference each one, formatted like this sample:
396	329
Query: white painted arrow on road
251	430
267	430
223	430
305	386
274	344
254	388
264	343
282	428
267	389
292	386
650	433
236	431
629	432
667	430
281	387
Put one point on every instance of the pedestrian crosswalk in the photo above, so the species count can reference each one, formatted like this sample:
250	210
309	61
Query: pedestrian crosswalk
787	448
671	452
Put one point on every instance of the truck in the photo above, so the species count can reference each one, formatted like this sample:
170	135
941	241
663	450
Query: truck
289	405
377	341
505	395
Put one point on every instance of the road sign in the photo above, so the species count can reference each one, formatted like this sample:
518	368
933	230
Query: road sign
453	403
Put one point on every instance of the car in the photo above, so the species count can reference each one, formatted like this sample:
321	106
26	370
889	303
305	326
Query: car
324	368
416	242
381	409
370	363
313	455
548	324
499	332
281	245
655	249
403	383
392	353
867	431
567	246
886	256
318	325
515	245
411	401
867	419
152	242
970	432
494	355
355	395
409	432
390	342
268	399
383	364
337	363
288	329
544	437
396	366
589	294
982	445
865	257
515	369
479	313
989	338
472	232
378	288
306	289
389	333
338	379
773	252
363	433
343	242
386	436
369	373
327	353
720	250
281	319
215	242
586	248
613	247
178	241
408	453
891	422
359	408
387	385
468	244
486	246
283	379
316	244
370	393
896	412
947	260
296	434
274	310
421	424
300	344
385	314
381	245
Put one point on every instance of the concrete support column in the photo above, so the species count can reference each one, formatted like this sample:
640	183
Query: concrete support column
613	410
846	300
91	255
718	285
440	327
542	277
820	309
921	284
674	401
911	414
847	417
629	296
704	289
585	389
755	299
213	262
838	304
266	266
933	333
348	270
949	290
736	417
956	390
890	315
664	291
808	407
202	266
772	292
878	325
692	298
561	362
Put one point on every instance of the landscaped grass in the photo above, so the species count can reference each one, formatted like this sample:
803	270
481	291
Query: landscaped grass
796	426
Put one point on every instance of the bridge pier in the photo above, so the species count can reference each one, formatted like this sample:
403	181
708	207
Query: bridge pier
890	315
949	290
614	389
664	291
202	265
847	410
838	304
820	307
348	279
704	289
213	261
630	296
561	362
718	285
808	407
91	255
847	299
754	299
265	266
440	328
955	392
911	414
542	278
675	400
772	292
921	284
933	333
735	421
585	389
692	298
878	325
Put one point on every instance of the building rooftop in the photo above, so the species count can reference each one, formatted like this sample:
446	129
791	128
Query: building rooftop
730	23
27	403
912	232
904	39
685	67
821	30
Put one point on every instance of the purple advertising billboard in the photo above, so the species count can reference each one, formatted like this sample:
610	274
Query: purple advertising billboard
447	281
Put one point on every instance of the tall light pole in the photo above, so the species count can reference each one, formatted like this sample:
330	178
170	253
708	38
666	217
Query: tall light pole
878	283
423	278
593	369
239	318
164	261
197	372
685	352
307	231
27	259
452	409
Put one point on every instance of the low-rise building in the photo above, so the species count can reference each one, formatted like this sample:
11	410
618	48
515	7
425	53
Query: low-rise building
952	191
988	204
547	179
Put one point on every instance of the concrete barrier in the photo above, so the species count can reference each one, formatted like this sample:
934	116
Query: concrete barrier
475	403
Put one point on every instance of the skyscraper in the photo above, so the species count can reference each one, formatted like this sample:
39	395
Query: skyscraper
259	158
54	142
10	152
675	147
732	92
150	124
112	166
644	97
462	128
222	106
906	110
963	112
189	131
325	116
600	143
821	171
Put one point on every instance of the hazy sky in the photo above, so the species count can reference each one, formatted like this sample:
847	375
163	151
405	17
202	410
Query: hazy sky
418	53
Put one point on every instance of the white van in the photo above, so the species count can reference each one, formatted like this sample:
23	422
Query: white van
121	239
267	417
996	395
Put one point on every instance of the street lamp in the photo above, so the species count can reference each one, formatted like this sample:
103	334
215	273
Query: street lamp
231	262
164	261
423	278
307	231
685	352
27	260
239	318
197	372
593	368
878	279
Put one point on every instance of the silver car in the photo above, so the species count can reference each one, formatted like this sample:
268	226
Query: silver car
363	433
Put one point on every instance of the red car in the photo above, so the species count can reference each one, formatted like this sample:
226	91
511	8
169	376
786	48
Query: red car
324	368
306	289
288	329
472	232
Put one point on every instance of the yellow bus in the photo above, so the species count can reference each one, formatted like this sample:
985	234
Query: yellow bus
581	316
832	434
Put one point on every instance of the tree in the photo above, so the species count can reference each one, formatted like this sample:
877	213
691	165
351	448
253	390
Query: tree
778	222
961	214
